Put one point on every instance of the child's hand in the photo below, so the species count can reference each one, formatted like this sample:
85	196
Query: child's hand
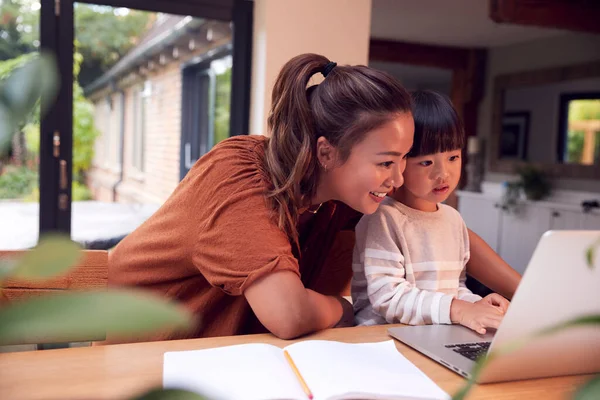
477	316
496	300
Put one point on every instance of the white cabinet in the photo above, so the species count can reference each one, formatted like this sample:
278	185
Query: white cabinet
576	220
519	234
482	216
590	221
514	234
566	219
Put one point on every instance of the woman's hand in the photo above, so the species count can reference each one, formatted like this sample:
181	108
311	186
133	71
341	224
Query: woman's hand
494	299
477	316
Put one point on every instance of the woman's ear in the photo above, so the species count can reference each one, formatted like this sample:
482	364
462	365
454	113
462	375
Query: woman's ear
326	153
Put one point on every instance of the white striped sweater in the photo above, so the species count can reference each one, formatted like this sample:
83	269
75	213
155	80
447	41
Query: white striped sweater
409	264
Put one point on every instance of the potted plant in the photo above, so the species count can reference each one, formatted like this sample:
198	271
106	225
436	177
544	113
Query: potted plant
535	183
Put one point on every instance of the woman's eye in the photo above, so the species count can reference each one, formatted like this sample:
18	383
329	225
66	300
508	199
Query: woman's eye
386	164
425	163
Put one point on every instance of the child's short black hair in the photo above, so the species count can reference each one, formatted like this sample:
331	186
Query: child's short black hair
437	126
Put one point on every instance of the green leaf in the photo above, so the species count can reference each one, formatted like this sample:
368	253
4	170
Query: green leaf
25	86
82	316
31	78
475	372
7	128
589	391
54	255
170	394
593	319
590	253
6	268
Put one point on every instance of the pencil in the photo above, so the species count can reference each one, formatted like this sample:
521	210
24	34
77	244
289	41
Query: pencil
297	373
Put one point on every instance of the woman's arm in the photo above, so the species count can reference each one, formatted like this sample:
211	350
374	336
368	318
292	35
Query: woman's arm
490	269
288	310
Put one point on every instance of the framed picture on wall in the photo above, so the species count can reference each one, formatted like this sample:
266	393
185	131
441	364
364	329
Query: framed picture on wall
513	135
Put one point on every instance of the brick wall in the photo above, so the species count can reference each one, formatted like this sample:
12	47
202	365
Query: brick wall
161	166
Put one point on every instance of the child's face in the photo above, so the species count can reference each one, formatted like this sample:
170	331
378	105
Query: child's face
374	167
430	179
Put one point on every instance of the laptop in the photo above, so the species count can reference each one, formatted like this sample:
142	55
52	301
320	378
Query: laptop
558	285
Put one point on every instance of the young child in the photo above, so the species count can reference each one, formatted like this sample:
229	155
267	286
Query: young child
410	256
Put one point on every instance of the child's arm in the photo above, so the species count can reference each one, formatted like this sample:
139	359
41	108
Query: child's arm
391	295
465	293
490	269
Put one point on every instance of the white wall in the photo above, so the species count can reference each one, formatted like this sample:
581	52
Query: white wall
564	50
337	29
543	104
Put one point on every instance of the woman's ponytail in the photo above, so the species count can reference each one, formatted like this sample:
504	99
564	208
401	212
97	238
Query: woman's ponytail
290	155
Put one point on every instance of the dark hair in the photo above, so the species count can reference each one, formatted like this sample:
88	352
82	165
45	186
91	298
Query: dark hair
437	126
350	102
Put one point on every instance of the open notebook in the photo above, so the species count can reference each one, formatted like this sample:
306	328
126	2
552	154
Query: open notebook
332	370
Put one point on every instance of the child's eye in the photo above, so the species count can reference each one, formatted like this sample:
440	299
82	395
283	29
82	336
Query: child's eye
454	158
426	163
386	164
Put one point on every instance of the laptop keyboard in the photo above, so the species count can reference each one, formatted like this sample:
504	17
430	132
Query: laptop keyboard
470	350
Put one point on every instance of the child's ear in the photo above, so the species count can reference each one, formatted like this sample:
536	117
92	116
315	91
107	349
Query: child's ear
326	153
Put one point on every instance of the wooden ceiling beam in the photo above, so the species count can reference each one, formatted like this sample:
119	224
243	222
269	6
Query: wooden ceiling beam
574	15
418	54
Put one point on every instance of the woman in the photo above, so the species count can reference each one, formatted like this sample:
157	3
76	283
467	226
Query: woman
244	241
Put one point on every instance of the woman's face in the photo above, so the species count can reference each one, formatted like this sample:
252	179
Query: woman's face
374	167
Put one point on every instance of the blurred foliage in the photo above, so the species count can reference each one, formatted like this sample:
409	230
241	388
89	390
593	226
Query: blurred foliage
590	254
535	183
80	192
54	256
76	315
105	33
589	391
8	66
222	105
17	182
18	20
575	140
20	90
584	110
70	314
84	129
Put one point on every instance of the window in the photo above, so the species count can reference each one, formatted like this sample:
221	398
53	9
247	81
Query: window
580	129
114	134
106	132
222	101
206	106
140	98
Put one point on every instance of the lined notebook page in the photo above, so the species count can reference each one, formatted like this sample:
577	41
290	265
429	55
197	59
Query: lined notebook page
247	371
335	370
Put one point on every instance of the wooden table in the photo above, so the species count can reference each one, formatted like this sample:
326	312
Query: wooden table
126	370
